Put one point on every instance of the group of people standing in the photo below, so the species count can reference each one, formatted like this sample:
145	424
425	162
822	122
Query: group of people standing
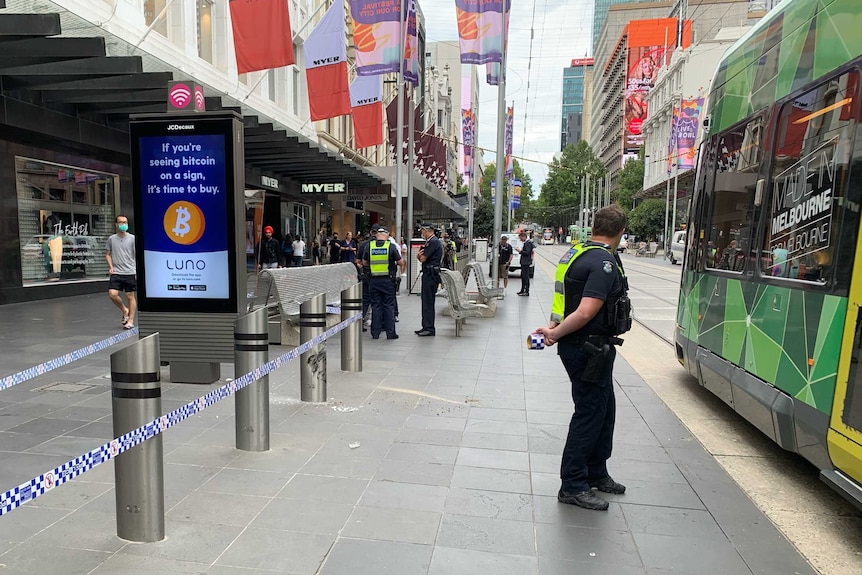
290	252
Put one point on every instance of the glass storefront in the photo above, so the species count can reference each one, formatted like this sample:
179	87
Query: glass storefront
65	216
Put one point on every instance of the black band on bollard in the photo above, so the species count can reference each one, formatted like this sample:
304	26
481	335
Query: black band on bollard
315	315
251	336
121	377
251	346
149	393
344	301
312	323
352	307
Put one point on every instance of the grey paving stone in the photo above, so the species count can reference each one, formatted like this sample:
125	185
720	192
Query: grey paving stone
14	441
629	469
434	422
415	472
550	405
188	541
404	496
549	566
361	557
221	570
491	479
73	495
204	455
546	509
449	561
408	526
499	402
487	534
550	417
645	453
30	557
217	508
494	441
423	453
703	555
236	481
597	546
496	414
187	477
545	483
303	515
658	493
544	463
324	488
429	437
131	565
20	525
493	458
498	427
52	427
673	522
491	504
357	467
282	551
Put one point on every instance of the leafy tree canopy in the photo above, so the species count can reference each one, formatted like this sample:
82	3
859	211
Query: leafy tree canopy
560	197
646	221
631	180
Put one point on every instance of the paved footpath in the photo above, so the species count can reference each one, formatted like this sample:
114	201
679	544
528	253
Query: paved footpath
456	470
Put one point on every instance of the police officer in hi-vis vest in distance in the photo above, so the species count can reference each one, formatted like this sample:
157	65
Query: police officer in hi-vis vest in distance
383	261
590	309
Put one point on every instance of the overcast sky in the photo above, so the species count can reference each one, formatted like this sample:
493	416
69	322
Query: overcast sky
562	32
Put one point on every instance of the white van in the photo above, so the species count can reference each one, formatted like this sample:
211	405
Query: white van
677	247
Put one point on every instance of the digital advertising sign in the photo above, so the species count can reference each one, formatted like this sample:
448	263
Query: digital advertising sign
185	204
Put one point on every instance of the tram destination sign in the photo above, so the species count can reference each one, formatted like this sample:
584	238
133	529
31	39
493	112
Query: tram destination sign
802	203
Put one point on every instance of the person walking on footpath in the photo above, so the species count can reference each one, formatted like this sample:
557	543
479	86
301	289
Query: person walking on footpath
504	258
315	252
268	251
430	256
287	250
298	251
526	251
590	309
120	255
382	259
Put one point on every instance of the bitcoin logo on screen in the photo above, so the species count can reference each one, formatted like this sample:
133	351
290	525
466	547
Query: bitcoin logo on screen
184	223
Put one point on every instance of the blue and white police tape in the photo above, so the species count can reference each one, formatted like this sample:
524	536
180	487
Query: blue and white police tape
333	308
43	368
47	481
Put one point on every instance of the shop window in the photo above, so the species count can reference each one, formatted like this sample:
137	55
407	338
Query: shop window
152	10
65	216
807	206
730	197
205	29
301	219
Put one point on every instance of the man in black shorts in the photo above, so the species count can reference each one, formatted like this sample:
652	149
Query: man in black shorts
120	254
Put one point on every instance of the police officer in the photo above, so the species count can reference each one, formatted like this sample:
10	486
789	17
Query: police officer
430	255
364	276
381	258
526	251
590	309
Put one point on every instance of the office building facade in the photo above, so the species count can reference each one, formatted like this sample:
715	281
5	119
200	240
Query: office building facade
577	102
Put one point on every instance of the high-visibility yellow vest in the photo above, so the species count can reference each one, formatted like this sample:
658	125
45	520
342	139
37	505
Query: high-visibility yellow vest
379	258
558	308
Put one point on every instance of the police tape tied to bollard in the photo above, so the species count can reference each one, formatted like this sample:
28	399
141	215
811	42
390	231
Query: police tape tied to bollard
29	490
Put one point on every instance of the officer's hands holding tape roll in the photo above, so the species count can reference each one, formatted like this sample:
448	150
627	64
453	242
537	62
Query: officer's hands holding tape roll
586	311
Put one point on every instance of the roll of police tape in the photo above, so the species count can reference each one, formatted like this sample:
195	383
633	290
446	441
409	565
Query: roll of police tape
29	490
63	360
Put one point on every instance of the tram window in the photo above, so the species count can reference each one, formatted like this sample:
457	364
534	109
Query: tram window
727	237
852	414
807	187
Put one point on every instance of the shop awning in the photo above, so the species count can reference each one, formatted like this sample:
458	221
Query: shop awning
68	90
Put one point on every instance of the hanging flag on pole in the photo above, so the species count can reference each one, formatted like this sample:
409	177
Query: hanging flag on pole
671	144
515	200
326	66
262	37
468	127
687	124
377	36
366	108
510	114
492	73
411	54
480	30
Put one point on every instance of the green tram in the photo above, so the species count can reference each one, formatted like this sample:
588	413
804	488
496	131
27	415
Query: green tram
769	310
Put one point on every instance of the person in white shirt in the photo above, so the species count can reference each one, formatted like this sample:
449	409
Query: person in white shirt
298	251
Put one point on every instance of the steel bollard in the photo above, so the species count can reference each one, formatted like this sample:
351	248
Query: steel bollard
139	473
312	367
251	350
351	336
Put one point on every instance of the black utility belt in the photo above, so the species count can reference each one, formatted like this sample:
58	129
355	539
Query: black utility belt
431	269
597	340
387	277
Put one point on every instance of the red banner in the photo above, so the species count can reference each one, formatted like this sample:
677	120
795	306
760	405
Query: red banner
366	101
326	66
262	37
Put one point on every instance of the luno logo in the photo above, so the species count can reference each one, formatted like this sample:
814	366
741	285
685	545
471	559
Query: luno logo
179	95
184	223
324	188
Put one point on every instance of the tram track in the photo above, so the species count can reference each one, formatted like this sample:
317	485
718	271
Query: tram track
644	325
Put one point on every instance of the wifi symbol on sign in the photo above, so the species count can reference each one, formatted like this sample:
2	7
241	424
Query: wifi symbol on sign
179	95
199	99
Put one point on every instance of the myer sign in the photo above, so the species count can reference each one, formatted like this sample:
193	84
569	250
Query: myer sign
324	188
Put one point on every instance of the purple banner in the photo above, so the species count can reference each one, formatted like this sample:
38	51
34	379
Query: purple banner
687	125
480	30
376	35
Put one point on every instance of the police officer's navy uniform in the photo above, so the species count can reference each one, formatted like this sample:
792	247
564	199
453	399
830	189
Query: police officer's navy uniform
382	269
590	270
433	251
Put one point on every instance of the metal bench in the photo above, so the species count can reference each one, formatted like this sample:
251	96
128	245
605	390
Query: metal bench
652	250
282	290
486	292
460	307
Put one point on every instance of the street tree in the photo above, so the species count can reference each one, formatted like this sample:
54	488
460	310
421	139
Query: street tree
560	197
646	221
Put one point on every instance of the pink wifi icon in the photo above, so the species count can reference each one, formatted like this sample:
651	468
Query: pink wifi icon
179	95
199	99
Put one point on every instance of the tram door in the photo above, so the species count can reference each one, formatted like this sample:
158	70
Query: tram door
845	433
